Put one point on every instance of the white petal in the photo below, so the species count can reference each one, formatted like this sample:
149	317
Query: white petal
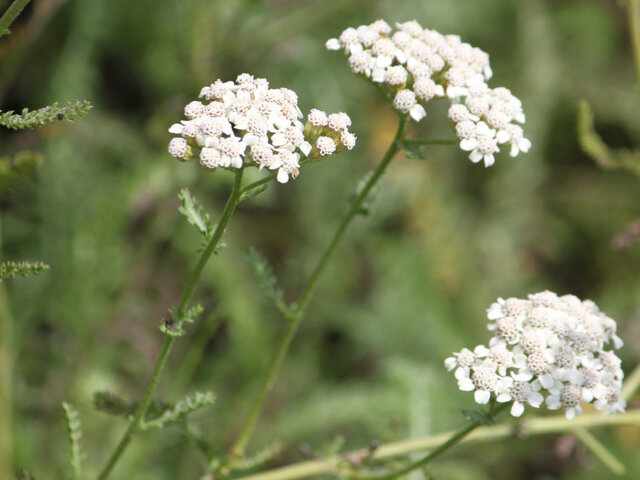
450	363
176	128
535	399
282	177
482	396
489	160
504	397
517	409
417	112
461	373
475	156
305	147
278	139
465	384
333	44
467	145
378	75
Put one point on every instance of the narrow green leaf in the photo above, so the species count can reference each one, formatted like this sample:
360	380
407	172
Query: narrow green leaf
260	458
74	428
195	213
268	280
253	192
11	269
112	404
37	118
181	409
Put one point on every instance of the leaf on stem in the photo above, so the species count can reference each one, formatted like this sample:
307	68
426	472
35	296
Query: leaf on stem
479	416
37	118
259	459
174	326
254	191
112	404
365	208
74	428
181	409
16	170
268	280
11	269
599	151
195	214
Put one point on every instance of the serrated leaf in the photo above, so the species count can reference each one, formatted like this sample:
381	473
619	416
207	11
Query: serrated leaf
174	325
181	409
268	280
195	213
74	428
37	118
11	269
259	459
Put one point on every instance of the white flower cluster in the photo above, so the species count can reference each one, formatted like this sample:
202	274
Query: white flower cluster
246	119
416	65
546	344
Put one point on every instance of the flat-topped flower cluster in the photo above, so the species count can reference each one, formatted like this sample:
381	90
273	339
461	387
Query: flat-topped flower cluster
415	64
549	345
247	120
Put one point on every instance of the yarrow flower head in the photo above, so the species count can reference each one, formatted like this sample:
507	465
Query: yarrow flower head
414	65
547	349
245	123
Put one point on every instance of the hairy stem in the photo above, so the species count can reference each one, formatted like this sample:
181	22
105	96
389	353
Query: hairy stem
7	345
296	315
10	15
229	208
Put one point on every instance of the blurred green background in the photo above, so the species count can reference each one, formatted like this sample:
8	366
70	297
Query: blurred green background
408	286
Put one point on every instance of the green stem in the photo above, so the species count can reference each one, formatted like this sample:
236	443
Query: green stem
229	208
531	427
451	442
295	316
258	183
600	451
10	15
634	29
453	141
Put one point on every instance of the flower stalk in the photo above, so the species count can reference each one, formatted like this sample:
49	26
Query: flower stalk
295	317
134	424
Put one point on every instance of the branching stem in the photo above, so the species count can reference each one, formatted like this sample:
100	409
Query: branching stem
229	208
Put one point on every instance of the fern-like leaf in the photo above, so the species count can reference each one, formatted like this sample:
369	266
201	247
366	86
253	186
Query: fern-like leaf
37	118
259	459
268	280
11	269
16	170
174	326
74	428
181	409
194	213
112	404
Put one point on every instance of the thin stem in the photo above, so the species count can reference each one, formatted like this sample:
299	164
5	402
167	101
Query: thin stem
451	442
257	183
229	208
452	141
297	313
633	13
600	451
10	15
535	426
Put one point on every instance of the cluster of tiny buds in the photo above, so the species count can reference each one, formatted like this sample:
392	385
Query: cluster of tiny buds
247	120
415	64
546	344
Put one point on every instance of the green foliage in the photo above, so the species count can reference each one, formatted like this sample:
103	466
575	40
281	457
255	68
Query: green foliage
10	269
37	118
365	209
252	192
180	410
195	213
16	170
599	151
113	404
261	458
74	428
268	279
174	326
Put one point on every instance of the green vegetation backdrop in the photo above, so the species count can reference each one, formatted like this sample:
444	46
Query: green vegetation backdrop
409	285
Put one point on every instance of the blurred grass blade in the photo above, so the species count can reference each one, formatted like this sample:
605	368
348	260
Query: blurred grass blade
74	427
